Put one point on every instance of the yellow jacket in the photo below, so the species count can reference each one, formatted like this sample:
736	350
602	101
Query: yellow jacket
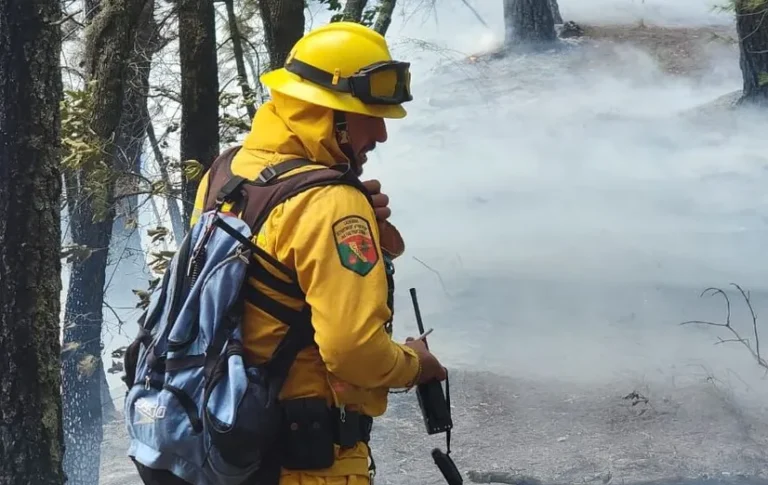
356	361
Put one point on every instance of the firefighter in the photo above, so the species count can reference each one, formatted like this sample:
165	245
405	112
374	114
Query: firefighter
328	104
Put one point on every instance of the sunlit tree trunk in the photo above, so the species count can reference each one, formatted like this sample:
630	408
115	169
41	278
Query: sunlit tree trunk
384	16
109	45
353	10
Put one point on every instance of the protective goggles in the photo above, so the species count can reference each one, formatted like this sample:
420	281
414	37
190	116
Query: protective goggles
387	82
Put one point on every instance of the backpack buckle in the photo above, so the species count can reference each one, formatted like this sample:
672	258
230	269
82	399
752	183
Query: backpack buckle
229	192
267	175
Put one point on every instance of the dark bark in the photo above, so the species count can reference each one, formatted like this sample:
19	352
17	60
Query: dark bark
237	48
199	91
528	23
384	16
31	437
752	28
555	9
131	134
283	22
353	10
126	252
109	44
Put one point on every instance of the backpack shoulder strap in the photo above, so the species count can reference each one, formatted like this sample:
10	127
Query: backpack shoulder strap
219	173
255	199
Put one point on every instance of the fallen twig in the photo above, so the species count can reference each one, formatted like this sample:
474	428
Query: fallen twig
501	477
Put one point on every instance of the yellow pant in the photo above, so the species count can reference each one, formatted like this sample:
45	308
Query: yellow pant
304	479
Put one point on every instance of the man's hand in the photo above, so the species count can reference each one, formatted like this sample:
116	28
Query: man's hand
391	240
380	201
430	367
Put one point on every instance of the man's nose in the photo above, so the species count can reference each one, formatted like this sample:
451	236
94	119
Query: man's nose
381	131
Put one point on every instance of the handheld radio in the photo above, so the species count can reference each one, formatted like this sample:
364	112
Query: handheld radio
436	412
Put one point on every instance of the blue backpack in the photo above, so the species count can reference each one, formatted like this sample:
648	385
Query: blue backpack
194	409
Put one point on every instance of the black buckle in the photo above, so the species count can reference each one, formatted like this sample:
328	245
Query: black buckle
267	175
229	192
351	427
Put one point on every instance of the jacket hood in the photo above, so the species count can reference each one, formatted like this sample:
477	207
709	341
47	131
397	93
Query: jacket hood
286	128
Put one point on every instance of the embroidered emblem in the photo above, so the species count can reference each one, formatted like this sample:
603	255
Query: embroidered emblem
354	243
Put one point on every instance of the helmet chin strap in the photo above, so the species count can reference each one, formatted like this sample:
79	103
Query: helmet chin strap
342	138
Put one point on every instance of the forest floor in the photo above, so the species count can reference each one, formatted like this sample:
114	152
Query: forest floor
684	51
524	432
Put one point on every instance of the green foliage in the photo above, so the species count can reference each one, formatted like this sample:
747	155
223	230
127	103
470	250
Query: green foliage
82	152
762	79
192	169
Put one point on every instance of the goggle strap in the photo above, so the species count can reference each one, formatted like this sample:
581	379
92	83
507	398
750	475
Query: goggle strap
318	76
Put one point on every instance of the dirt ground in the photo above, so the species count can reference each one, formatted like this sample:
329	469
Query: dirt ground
680	51
525	432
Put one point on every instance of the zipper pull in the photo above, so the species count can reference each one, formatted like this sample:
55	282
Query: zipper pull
146	382
343	413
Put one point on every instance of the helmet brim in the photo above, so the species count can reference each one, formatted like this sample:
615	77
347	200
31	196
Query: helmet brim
290	84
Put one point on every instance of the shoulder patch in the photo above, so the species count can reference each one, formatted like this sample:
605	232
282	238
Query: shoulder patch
355	245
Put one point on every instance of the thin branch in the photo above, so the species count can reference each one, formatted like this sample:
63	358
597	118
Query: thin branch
442	283
477	15
68	17
738	338
120	321
747	298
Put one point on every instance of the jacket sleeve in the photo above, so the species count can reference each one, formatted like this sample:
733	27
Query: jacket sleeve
334	245
199	200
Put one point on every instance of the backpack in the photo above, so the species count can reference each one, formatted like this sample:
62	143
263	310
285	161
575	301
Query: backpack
194	408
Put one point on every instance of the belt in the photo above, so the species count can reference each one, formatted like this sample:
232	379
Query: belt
351	427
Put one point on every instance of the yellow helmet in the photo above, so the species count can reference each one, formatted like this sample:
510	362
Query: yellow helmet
344	66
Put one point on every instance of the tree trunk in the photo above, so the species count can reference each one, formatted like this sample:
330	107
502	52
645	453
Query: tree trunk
353	10
237	48
31	436
384	16
109	44
752	28
555	9
132	132
528	23
199	91
283	22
